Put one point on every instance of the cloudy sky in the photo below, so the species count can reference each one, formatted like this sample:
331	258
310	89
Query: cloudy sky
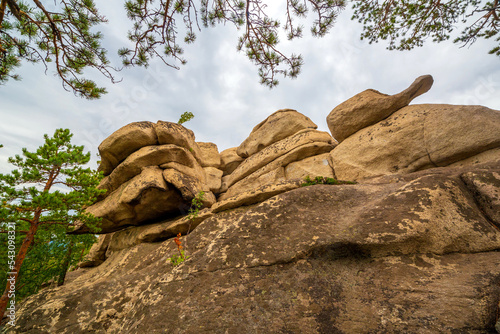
221	87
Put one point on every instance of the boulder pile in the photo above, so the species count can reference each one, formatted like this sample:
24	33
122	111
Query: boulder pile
153	171
284	147
413	253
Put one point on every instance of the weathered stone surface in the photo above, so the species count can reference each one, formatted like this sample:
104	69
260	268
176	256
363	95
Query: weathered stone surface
210	156
485	186
230	160
318	165
279	125
414	250
155	232
257	178
196	172
370	107
250	184
176	134
165	230
403	254
97	253
255	195
147	156
134	136
214	179
277	150
188	186
150	177
417	137
136	200
145	197
124	142
454	133
483	157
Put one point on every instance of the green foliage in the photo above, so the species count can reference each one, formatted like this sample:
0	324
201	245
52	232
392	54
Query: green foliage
61	36
45	261
64	37
47	194
323	180
185	117
194	210
155	25
407	24
196	205
176	259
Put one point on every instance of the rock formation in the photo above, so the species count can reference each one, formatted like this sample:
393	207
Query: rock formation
370	107
153	171
267	166
279	125
161	167
412	247
418	137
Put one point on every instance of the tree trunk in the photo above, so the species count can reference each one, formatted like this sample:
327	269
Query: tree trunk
3	6
27	242
65	264
21	255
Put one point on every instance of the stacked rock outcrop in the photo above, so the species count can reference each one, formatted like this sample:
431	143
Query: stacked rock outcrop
284	147
370	107
413	253
152	171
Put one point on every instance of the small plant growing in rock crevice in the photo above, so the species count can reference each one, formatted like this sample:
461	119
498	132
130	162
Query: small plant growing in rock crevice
178	259
196	205
323	180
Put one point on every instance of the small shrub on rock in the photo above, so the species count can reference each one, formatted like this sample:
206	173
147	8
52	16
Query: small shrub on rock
323	180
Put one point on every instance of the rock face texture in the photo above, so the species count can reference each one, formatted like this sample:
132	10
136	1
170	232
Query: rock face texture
230	160
279	125
303	144
412	247
153	171
283	139
409	253
418	137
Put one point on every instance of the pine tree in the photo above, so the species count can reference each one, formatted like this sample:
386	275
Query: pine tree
41	200
61	35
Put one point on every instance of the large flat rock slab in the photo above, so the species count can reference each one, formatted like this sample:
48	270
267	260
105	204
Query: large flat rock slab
411	253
